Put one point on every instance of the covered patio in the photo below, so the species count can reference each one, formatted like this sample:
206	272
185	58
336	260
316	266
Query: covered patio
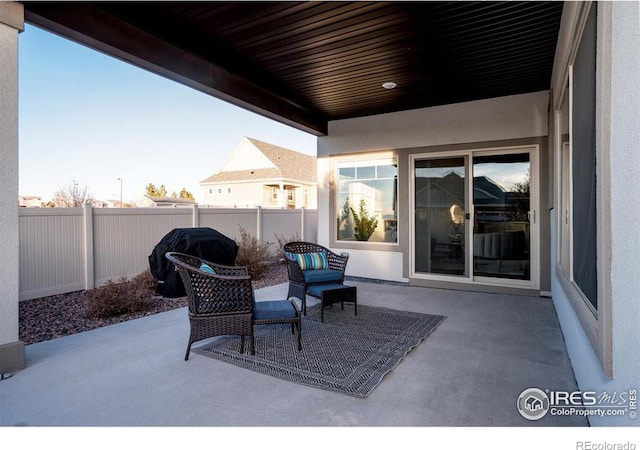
486	76
469	372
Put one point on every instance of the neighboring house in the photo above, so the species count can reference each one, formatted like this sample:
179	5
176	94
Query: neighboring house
29	201
147	201
262	174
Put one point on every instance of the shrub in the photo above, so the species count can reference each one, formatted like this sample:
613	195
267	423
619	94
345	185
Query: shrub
281	241
145	281
121	297
252	253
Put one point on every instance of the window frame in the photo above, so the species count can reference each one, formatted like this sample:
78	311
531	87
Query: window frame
362	161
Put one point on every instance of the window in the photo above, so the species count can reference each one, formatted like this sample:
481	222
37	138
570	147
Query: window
564	199
228	190
366	200
219	190
583	143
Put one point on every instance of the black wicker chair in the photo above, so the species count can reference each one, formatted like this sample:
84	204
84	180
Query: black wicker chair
300	280
221	302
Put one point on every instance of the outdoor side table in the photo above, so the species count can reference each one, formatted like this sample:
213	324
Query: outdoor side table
334	293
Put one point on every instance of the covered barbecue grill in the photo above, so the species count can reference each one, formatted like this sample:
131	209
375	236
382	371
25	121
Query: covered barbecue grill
205	243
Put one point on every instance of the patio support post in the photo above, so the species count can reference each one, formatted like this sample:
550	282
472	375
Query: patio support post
619	163
11	349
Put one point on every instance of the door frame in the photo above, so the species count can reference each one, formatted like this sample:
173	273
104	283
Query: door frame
535	216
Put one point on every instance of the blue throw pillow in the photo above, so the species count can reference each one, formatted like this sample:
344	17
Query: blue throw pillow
207	268
312	261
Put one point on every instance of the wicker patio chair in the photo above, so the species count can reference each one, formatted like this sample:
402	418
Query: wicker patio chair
220	300
301	278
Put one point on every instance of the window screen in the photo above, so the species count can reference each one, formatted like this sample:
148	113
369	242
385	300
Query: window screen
583	135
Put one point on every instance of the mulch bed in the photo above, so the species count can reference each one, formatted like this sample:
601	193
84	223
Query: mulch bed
52	317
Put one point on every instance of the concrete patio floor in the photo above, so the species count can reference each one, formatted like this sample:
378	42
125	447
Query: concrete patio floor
469	372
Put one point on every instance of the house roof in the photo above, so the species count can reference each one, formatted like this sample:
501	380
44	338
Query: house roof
286	165
169	200
307	63
29	200
448	190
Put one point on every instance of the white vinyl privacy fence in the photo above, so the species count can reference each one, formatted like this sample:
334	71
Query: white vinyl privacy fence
70	249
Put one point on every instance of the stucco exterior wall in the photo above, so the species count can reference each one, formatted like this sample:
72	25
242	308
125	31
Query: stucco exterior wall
625	191
11	351
611	362
480	121
505	121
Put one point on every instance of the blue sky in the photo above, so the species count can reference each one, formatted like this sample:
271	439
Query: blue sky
90	118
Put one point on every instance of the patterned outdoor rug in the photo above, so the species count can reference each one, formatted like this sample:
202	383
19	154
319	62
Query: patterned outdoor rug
347	353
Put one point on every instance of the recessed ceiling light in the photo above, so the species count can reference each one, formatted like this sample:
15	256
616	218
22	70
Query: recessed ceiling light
389	85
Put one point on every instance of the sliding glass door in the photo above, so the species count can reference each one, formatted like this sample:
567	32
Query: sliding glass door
472	216
440	216
502	207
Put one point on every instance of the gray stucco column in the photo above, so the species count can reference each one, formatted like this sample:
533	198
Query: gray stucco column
624	190
11	350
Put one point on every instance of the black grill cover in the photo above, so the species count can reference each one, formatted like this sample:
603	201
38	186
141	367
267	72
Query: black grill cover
205	243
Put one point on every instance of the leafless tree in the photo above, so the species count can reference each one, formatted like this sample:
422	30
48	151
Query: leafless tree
72	196
519	203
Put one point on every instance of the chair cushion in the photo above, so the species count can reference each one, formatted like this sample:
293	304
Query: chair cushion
318	289
312	261
273	310
321	275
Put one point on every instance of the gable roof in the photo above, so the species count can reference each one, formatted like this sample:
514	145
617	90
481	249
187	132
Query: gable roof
166	201
283	164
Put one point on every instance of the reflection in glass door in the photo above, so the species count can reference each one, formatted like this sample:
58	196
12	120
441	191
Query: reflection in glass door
501	227
474	217
440	216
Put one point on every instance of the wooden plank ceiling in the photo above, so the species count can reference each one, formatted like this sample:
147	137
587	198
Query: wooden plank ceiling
306	63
